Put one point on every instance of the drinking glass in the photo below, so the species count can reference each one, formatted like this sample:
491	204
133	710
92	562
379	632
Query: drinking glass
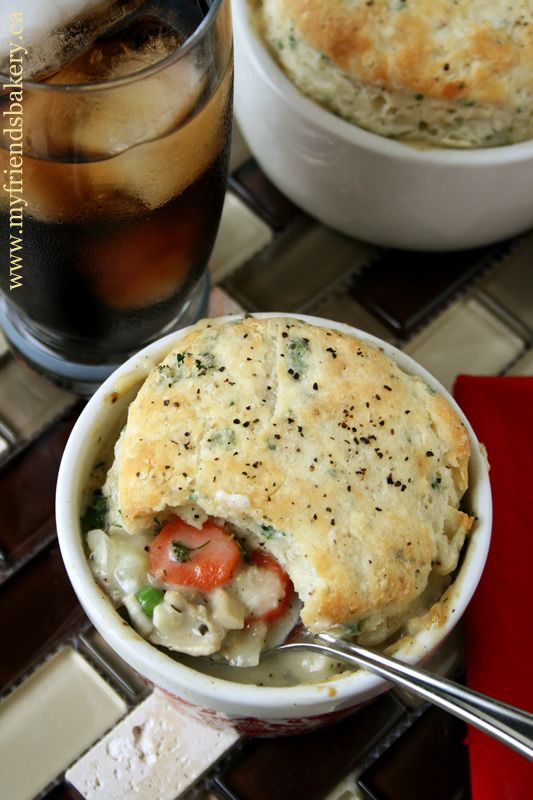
114	168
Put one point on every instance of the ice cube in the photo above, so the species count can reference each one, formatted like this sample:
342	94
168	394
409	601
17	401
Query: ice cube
156	171
144	177
52	32
95	124
131	47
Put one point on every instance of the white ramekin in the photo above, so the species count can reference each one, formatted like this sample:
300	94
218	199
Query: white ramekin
251	709
367	186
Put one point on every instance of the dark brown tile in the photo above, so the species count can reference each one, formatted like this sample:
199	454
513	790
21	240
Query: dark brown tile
62	791
403	288
38	610
254	188
27	488
306	767
429	760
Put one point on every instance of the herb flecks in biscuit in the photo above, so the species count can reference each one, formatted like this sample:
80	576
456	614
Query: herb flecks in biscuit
315	446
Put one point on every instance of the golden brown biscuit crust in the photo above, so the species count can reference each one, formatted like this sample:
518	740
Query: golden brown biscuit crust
429	72
346	468
475	51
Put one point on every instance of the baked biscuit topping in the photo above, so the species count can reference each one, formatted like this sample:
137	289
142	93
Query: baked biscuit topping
310	445
457	74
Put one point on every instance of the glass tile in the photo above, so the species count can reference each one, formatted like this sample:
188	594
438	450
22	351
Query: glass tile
466	339
524	365
318	760
308	268
27	488
63	792
241	235
112	664
297	269
220	303
239	149
28	402
346	790
512	283
50	719
4	447
156	752
342	308
417	765
8	434
252	185
38	611
3	345
403	288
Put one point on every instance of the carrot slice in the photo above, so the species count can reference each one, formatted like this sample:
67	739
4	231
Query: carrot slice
185	556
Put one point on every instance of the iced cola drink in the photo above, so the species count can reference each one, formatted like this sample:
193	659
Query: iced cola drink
123	157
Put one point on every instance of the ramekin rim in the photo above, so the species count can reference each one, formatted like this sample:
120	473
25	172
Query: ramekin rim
246	696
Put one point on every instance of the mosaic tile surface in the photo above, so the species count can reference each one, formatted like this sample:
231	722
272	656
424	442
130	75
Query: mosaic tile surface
467	312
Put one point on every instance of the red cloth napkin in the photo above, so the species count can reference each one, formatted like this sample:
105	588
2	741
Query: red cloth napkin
499	646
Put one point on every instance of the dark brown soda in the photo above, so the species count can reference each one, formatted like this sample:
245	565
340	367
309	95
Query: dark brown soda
93	281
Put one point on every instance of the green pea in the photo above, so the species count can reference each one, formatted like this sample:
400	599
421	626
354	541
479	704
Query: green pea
149	597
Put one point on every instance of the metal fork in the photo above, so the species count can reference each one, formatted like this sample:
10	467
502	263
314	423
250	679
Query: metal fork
510	725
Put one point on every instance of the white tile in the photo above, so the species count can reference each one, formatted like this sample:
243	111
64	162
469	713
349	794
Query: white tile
50	719
240	236
155	752
466	338
524	365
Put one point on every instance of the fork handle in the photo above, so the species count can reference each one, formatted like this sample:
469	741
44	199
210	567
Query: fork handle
510	725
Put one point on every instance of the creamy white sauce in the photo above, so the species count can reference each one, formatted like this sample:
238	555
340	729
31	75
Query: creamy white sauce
283	669
238	501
